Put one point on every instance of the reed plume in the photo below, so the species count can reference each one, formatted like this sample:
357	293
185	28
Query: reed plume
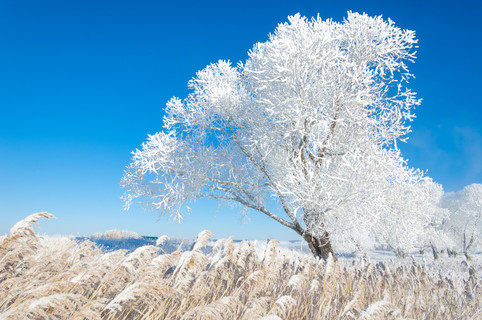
59	278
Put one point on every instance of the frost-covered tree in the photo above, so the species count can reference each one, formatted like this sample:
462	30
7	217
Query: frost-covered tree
428	202
304	131
419	205
465	223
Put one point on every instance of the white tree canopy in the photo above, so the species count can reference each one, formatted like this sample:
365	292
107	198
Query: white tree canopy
305	131
465	222
419	204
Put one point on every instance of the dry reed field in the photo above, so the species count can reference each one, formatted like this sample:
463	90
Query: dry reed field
58	278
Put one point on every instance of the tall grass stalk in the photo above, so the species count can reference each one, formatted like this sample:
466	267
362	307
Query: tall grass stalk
43	278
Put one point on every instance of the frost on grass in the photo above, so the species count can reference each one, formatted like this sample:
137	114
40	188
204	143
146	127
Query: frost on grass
59	278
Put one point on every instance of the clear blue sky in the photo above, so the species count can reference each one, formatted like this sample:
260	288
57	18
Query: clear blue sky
82	83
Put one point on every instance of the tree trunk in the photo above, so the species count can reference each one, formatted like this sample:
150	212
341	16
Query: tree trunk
399	253
467	247
434	252
467	255
451	253
320	246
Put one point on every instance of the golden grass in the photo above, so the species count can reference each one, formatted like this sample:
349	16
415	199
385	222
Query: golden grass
45	278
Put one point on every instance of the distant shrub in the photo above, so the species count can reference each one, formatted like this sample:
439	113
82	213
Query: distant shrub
117	234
